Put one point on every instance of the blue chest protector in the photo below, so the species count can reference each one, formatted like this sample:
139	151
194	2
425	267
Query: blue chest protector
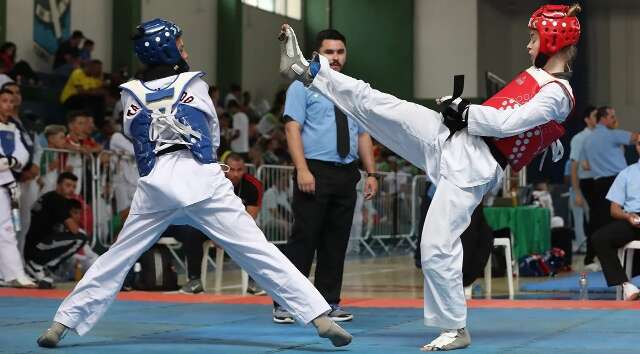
8	138
163	121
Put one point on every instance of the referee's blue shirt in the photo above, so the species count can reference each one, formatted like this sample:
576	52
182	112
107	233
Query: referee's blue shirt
604	151
625	190
315	113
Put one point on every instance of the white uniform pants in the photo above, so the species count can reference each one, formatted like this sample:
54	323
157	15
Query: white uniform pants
223	219
580	214
28	196
11	266
417	134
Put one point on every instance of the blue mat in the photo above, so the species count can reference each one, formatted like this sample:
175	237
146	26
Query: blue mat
143	327
596	284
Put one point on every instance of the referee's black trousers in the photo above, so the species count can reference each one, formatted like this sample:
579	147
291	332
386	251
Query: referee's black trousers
322	223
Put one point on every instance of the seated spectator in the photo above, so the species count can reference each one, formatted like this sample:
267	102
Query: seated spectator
4	78
240	124
126	177
271	154
235	94
55	234
214	93
226	133
273	119
53	163
245	186
85	51
624	196
276	212
8	55
85	90
249	108
67	55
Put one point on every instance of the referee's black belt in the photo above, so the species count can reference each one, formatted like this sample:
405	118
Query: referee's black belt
353	163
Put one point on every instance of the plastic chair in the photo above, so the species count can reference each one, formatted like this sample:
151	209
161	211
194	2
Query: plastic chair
506	243
629	249
219	266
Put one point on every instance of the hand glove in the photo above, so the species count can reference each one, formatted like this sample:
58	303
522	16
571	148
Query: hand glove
455	114
453	108
8	162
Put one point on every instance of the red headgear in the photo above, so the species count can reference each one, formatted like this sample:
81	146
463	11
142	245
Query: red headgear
555	28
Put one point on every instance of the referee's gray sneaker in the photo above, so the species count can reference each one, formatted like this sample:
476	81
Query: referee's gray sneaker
338	314
282	316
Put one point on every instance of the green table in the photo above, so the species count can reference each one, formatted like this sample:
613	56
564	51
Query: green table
531	227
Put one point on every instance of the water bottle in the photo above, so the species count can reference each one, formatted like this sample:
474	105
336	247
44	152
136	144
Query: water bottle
137	274
583	283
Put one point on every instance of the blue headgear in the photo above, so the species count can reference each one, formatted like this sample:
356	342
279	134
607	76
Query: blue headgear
155	42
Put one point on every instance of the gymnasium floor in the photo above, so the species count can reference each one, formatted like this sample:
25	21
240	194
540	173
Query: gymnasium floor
384	294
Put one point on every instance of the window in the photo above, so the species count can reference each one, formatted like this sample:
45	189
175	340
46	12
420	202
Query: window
288	8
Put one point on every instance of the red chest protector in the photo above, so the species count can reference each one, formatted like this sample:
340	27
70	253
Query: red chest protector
521	149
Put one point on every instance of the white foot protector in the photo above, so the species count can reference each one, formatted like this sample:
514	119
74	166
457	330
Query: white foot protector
449	339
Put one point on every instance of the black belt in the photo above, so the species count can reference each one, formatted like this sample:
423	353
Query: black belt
172	148
334	164
497	155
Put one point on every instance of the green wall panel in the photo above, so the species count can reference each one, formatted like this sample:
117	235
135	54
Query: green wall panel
379	42
124	24
229	43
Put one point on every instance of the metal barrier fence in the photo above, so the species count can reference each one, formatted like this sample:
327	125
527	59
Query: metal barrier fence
276	215
55	161
391	219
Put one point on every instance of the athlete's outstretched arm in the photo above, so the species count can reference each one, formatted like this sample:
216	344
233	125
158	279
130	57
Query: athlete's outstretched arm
551	103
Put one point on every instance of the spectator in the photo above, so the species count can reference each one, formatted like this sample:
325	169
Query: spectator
624	196
255	156
248	107
55	234
581	196
84	90
53	163
126	177
235	94
273	119
14	155
8	55
86	50
79	125
271	153
214	93
4	78
277	214
325	145
27	177
240	123
245	186
67	54
604	153
226	133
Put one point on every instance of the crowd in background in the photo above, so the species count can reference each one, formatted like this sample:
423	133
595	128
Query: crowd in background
89	100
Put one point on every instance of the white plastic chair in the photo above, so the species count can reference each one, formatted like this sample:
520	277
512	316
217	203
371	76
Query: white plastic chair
629	249
218	265
506	243
172	244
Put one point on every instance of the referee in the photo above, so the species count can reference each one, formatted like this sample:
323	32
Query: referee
324	145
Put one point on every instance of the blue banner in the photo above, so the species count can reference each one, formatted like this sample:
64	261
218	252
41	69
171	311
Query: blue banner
51	23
